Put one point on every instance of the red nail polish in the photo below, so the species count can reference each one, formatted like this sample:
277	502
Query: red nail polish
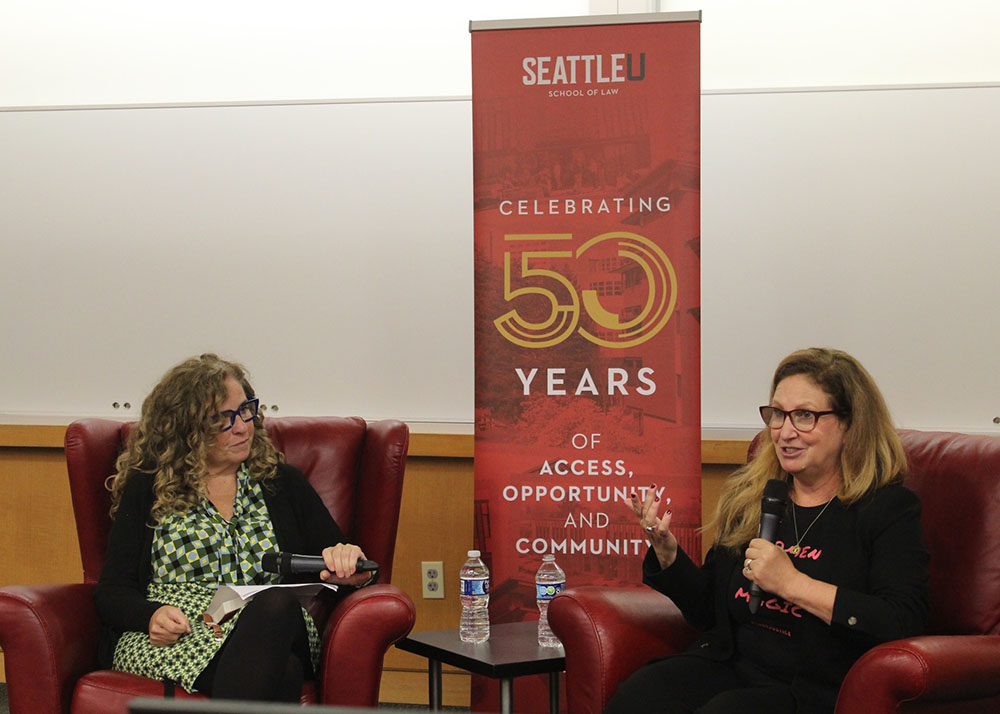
669	512
657	499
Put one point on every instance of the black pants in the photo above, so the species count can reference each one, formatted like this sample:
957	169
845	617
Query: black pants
266	656
688	685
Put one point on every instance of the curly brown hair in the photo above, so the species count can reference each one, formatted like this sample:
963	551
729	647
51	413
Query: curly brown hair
872	455
178	424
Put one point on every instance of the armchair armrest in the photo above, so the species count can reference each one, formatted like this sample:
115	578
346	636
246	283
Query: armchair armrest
956	668
361	628
608	633
49	639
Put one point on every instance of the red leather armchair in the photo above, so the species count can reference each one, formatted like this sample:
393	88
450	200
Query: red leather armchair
49	632
955	668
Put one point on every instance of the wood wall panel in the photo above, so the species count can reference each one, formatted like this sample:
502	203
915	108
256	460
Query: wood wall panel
38	542
410	687
435	523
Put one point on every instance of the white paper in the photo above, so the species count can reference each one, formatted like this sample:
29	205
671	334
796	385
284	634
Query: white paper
229	598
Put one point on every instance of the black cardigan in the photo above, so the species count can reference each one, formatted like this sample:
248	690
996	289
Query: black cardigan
302	524
879	567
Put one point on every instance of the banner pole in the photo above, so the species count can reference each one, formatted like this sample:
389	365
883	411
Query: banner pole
586	164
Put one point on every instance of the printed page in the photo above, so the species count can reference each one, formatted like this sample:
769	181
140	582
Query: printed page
229	598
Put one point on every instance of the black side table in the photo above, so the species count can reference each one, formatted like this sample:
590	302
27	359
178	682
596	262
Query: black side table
512	651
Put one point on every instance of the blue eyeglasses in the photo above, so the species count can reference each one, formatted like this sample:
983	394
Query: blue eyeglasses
247	411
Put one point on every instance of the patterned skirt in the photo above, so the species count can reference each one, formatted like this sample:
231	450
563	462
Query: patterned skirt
184	660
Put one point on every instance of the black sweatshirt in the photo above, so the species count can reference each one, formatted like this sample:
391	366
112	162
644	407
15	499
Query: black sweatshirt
873	551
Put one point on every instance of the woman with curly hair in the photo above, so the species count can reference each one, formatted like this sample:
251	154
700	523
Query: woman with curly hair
199	495
846	571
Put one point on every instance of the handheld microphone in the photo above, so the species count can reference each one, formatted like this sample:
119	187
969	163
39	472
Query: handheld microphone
772	508
288	563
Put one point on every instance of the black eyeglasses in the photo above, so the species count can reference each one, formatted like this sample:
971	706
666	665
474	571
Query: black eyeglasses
802	419
247	411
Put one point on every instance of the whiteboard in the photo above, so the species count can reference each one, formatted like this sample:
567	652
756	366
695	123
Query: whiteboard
862	220
329	247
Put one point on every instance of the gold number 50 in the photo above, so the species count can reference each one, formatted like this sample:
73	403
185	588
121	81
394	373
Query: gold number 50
564	315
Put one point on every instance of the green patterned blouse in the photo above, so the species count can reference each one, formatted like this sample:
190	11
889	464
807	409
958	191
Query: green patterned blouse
194	553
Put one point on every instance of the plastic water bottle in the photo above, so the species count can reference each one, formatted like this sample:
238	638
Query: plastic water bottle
550	580
475	583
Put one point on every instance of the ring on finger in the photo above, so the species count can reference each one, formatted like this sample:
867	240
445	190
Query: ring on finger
649	529
747	564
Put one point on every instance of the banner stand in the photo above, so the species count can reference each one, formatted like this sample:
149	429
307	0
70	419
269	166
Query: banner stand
587	299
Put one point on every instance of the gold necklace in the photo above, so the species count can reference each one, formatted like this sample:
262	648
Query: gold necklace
794	550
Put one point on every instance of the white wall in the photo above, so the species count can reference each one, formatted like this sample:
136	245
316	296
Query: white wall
878	206
811	43
66	52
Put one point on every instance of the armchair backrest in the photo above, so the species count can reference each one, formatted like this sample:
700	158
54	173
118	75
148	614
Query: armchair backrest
957	477
356	468
92	447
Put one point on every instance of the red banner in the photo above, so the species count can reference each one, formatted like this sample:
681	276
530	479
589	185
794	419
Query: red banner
586	159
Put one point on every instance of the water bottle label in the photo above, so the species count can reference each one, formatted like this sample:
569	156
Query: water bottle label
547	591
475	586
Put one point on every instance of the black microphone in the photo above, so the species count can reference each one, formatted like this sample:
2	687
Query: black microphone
772	508
288	563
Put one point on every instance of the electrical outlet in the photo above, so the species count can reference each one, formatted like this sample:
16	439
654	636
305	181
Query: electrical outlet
432	578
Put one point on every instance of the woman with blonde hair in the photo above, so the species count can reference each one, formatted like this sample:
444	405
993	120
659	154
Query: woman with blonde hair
200	494
846	571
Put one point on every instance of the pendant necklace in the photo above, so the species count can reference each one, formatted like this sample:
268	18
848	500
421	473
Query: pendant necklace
794	550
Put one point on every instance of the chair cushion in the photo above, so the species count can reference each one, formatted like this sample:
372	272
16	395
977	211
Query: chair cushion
109	692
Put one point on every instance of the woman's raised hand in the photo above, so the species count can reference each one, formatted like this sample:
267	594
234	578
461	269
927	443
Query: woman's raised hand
657	529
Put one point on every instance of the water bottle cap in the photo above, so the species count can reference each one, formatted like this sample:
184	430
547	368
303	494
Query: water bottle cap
473	553
548	557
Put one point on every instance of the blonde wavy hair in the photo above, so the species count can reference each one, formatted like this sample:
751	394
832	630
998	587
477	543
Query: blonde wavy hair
179	422
872	455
